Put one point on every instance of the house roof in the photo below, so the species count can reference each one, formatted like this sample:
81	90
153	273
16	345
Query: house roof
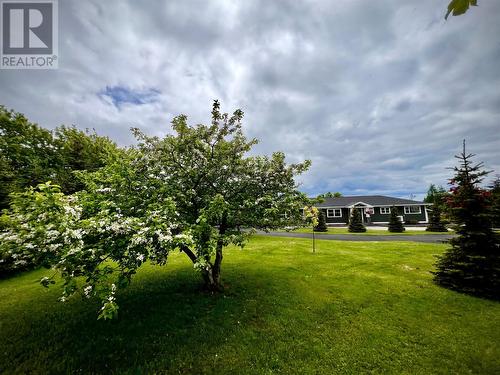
372	200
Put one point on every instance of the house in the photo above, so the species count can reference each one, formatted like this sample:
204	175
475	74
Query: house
375	209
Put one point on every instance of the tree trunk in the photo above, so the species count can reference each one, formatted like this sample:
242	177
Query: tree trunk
211	274
211	278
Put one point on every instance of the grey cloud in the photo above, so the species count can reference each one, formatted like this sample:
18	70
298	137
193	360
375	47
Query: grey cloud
378	95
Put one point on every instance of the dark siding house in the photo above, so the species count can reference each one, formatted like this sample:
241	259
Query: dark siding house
375	209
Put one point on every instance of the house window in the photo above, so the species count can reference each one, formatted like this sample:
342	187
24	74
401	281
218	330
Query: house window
385	210
334	212
413	210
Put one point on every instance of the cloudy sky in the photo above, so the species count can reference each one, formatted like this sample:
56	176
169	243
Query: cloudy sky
378	94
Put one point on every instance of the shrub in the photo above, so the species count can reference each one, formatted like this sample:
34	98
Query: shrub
321	226
395	224
435	223
355	223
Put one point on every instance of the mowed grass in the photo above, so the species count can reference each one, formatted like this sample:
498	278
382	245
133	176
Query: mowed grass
353	307
369	232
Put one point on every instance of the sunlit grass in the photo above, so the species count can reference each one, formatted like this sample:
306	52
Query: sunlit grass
350	308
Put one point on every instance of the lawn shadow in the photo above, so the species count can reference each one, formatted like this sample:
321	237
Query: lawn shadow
165	321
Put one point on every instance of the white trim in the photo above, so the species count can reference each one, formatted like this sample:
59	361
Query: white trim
379	205
363	203
385	208
408	212
334	212
410	204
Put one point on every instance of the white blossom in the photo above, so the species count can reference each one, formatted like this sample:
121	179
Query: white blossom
104	190
87	290
52	234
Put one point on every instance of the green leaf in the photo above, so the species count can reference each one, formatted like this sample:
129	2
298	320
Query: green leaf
458	7
109	311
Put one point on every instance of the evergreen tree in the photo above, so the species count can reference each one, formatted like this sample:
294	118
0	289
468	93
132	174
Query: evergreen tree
395	224
437	195
495	202
355	223
321	226
472	264
435	224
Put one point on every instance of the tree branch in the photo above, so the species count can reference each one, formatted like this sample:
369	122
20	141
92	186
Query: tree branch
189	253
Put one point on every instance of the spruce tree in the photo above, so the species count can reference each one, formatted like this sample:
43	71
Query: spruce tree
355	223
437	195
472	264
321	226
495	202
435	224
395	224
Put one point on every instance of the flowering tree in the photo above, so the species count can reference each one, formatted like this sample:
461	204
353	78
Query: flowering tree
217	189
44	219
195	191
99	238
311	216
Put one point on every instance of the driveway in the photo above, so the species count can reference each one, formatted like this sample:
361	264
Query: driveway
429	238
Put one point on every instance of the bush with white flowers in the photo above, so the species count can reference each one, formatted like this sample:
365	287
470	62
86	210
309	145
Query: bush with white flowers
66	233
196	190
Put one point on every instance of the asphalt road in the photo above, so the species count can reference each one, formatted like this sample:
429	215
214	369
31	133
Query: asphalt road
429	238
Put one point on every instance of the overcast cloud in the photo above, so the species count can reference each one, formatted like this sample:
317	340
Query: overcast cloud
378	94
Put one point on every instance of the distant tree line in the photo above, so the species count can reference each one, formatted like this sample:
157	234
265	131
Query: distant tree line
440	197
330	194
30	155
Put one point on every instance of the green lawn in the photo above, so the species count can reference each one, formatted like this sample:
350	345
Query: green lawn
369	232
353	307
